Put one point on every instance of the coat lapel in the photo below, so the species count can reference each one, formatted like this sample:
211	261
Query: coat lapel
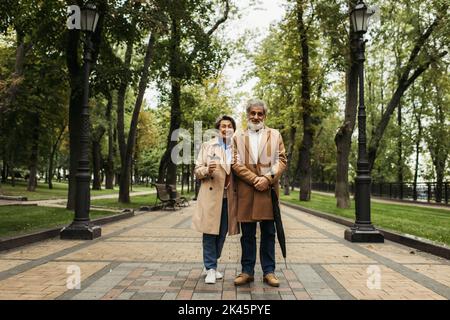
219	151
262	143
248	153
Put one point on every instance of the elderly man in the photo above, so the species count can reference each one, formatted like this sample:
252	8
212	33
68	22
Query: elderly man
259	161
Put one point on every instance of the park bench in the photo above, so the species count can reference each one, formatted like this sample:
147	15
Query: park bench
169	197
179	200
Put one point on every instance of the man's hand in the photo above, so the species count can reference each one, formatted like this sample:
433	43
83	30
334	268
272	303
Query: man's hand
261	184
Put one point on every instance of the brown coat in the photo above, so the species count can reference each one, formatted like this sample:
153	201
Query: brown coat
206	217
254	205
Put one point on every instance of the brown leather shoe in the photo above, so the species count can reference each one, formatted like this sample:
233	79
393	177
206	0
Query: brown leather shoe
243	278
271	280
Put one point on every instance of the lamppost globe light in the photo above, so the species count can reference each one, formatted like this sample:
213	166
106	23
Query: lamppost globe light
360	17
89	18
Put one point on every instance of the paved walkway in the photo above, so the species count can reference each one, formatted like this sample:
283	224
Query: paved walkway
155	255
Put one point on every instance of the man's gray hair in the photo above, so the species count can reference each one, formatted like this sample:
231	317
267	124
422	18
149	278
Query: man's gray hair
256	103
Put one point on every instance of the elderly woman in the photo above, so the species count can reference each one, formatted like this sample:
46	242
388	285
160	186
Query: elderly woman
216	202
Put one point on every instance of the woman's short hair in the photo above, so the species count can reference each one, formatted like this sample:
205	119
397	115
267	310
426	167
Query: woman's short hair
225	117
256	103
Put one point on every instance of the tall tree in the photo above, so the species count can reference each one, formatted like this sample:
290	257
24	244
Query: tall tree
187	20
438	146
421	56
306	106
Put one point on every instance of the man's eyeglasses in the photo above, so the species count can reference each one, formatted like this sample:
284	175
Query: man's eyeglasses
259	114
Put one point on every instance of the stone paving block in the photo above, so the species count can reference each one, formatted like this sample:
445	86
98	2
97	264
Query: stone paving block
150	266
129	265
288	297
185	294
147	296
265	296
189	284
89	296
148	273
169	296
206	296
229	295
112	294
183	273
302	295
177	283
243	296
165	273
125	296
152	283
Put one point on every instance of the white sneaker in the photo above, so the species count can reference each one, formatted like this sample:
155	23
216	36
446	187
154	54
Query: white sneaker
210	276
219	275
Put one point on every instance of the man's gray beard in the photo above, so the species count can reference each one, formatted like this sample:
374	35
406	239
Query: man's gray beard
255	127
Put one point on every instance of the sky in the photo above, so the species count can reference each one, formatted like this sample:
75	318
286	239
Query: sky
255	16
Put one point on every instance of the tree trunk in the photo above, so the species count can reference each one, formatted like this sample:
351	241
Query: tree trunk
192	178
96	165
34	154
121	92
17	76
175	123
167	168
96	139
400	150
418	117
124	192
287	178
52	156
188	176
12	174
4	171
135	160
439	149
343	138
109	168
183	177
308	129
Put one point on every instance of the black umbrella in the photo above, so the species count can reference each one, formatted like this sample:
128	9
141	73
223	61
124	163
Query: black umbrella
278	224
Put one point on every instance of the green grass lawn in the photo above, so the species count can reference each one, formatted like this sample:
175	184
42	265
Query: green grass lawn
59	191
17	220
136	201
429	223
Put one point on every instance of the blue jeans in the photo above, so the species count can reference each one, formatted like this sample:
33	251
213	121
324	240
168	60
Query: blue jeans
213	244
266	247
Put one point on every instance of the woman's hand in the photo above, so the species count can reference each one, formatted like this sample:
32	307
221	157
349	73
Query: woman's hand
211	167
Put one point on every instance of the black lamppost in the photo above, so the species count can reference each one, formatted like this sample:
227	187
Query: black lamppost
362	230
81	227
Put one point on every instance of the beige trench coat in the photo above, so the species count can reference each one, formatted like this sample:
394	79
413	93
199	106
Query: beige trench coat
254	205
206	217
